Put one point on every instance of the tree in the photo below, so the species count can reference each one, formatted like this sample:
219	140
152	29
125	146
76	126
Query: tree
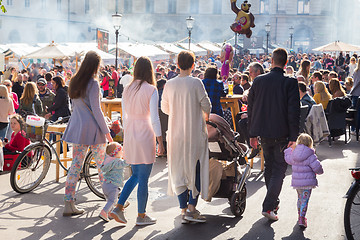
3	9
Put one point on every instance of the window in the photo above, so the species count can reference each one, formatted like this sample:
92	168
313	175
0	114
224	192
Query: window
127	6
303	6
150	6
59	5
172	6
194	6
27	3
43	4
9	2
217	4
264	6
87	6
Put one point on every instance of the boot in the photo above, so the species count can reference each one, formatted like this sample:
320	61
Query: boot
71	210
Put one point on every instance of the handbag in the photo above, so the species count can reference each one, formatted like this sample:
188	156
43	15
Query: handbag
107	120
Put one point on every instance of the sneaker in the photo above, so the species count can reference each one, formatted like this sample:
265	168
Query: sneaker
147	220
302	222
183	220
104	216
276	209
194	216
270	215
118	215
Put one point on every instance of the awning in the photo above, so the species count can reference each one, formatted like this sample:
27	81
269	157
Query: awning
196	49
210	46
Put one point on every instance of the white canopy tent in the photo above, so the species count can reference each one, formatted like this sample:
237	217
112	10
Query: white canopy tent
83	48
194	48
139	49
52	51
18	50
210	47
169	47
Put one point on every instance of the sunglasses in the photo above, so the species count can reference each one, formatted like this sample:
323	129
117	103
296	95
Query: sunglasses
40	84
7	85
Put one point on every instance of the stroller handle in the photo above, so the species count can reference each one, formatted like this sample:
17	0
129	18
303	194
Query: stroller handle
211	124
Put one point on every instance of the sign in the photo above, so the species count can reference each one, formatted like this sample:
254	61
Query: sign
2	62
253	42
102	39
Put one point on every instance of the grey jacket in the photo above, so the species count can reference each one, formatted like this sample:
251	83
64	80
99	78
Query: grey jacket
85	127
355	91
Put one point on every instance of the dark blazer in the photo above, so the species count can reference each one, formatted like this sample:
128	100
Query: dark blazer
61	104
274	106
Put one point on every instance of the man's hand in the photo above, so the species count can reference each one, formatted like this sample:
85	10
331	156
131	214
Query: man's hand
292	144
254	142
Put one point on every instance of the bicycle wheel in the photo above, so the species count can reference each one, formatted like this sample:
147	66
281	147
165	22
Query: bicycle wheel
91	175
30	168
352	214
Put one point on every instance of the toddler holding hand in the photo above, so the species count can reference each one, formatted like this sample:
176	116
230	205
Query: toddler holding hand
305	166
113	171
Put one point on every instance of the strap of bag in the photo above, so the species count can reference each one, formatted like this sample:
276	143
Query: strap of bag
87	107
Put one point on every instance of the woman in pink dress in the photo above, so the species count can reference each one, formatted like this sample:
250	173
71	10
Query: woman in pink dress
141	125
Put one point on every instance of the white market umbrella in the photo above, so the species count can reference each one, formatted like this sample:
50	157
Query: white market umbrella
337	46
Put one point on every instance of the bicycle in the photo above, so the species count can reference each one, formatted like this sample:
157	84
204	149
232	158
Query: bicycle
32	165
352	207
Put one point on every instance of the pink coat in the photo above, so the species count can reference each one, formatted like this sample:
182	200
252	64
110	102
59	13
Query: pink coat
305	166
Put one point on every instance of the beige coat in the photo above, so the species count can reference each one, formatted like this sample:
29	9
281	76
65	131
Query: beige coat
184	99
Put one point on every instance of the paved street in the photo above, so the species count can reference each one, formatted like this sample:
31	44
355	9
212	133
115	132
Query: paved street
38	215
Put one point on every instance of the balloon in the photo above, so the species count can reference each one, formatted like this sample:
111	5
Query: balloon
244	18
226	57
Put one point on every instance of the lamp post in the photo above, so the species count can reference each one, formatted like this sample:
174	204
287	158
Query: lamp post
291	30
267	30
116	19
189	25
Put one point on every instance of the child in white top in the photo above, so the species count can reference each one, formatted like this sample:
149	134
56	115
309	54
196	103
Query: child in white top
113	171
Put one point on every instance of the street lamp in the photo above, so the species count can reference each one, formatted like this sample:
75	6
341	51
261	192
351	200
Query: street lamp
116	19
267	30
291	30
189	25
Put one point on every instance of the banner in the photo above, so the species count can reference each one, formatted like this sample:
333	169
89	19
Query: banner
102	39
2	62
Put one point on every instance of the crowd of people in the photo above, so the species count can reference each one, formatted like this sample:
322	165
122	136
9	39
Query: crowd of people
178	98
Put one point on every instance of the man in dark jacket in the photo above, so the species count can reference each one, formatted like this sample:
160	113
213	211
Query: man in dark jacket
274	115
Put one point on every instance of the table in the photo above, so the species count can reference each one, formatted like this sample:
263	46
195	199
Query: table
233	103
109	105
60	128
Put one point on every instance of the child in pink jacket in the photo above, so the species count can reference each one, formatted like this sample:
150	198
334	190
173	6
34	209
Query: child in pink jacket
305	166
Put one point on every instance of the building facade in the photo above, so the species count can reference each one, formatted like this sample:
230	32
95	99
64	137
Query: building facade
315	22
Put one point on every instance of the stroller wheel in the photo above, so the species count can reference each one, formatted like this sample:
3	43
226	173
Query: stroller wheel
238	202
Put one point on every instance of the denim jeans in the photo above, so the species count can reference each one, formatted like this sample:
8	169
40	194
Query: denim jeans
275	168
185	198
141	174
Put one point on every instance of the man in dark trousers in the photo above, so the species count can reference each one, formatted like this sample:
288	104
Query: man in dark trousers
273	116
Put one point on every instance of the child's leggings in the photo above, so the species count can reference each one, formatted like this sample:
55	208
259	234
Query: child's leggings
303	200
79	153
111	192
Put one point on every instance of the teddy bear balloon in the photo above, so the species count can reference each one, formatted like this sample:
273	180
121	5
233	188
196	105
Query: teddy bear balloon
244	18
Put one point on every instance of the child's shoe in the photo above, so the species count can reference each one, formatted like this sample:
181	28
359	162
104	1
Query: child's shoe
302	222
104	216
118	215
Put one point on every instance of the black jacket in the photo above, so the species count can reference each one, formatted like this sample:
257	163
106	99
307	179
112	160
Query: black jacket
274	106
61	104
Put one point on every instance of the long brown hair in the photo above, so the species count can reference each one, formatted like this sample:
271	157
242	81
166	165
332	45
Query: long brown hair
29	92
305	70
144	71
88	69
335	86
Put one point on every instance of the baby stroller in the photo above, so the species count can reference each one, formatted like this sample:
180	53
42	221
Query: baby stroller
229	150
